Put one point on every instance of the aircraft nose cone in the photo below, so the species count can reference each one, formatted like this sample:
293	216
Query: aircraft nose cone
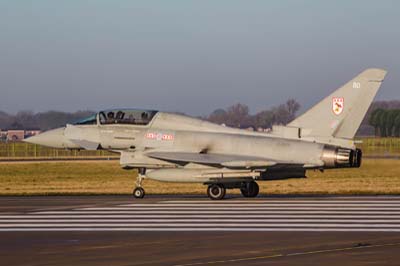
52	138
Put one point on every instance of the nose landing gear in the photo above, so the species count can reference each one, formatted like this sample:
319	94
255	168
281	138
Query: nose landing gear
138	191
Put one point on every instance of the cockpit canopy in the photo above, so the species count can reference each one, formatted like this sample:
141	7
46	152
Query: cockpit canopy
127	116
91	120
120	116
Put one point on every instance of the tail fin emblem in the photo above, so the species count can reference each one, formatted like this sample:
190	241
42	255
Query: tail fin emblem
337	105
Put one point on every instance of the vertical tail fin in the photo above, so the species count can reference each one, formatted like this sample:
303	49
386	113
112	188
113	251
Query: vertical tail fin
340	114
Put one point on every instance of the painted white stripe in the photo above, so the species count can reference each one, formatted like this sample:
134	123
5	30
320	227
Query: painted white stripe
334	225
239	208
197	206
284	204
225	220
357	199
211	229
289	215
317	211
269	216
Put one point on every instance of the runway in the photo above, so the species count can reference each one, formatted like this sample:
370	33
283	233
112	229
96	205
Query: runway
305	215
173	230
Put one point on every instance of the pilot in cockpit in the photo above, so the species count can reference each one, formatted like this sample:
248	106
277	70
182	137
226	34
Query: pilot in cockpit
120	117
110	118
145	117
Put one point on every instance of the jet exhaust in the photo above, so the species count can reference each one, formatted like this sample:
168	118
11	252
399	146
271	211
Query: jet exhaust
336	157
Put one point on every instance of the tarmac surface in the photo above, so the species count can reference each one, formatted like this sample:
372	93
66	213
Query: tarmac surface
193	230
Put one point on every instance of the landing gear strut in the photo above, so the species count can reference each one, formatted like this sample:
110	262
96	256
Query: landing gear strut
139	192
250	189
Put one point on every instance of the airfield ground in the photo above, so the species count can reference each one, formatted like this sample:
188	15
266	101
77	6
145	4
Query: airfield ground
376	176
190	230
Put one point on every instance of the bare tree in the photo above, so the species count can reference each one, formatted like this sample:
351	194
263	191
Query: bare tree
237	115
292	106
219	116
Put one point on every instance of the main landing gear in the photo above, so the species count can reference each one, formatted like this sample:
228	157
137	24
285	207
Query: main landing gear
138	191
217	191
250	189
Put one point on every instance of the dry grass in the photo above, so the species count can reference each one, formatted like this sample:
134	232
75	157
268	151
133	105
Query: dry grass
374	177
379	176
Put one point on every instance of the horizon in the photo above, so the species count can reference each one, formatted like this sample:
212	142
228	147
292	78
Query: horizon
301	110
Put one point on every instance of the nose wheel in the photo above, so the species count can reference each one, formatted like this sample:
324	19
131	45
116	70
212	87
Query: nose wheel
138	191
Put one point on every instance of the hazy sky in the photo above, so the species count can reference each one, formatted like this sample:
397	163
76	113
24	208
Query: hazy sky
190	56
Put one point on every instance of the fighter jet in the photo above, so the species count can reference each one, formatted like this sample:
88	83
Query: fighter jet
176	148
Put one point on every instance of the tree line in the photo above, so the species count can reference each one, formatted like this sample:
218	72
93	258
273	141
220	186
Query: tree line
382	119
42	121
386	122
238	115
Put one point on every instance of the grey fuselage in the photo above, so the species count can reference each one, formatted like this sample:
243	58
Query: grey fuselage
177	133
178	148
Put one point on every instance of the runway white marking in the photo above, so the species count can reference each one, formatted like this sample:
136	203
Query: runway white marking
203	224
217	229
311	215
260	205
300	200
266	216
230	211
223	220
211	202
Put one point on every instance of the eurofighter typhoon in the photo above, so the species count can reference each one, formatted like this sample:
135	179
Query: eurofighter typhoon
175	148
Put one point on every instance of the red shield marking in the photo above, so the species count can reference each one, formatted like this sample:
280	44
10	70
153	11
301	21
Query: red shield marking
337	105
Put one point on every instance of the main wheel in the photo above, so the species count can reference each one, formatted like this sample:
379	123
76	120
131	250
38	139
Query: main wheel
138	193
250	189
216	191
